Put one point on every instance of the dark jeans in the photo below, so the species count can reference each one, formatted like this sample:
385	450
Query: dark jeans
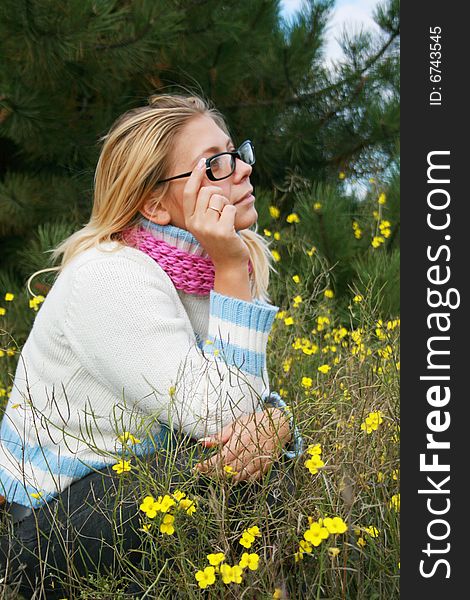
78	534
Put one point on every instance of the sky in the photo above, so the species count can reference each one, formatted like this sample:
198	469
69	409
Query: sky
353	14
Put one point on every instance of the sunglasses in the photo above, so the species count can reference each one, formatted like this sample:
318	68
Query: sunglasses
222	165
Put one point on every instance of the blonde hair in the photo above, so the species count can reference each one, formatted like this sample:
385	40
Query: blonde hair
135	155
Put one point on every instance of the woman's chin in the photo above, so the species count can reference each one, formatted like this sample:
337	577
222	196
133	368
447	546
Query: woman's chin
246	219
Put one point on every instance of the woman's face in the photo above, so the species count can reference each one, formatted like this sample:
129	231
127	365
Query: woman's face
203	138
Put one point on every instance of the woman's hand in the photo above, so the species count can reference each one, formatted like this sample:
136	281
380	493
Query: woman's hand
215	232
248	445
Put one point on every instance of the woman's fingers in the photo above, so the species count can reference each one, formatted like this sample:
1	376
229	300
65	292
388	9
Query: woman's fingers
191	189
250	467
244	465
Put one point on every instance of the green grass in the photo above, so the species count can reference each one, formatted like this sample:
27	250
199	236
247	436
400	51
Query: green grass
359	481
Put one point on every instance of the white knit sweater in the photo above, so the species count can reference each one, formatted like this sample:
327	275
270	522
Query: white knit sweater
116	348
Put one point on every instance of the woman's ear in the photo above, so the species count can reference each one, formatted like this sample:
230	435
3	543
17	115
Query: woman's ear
153	210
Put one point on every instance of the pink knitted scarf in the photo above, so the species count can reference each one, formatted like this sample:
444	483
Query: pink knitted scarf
190	273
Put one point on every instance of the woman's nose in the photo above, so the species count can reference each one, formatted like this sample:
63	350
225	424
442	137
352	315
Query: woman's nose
242	169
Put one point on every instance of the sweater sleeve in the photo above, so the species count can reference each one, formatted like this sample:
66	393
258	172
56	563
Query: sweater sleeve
124	323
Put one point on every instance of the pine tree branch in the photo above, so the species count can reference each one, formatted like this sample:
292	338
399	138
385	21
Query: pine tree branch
341	106
300	99
337	160
128	42
213	68
286	70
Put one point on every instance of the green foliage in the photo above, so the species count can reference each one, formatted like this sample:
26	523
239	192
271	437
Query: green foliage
358	482
323	244
70	68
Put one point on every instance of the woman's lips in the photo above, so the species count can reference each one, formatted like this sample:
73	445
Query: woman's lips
246	199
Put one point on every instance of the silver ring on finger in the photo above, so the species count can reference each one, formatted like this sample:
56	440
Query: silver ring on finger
216	209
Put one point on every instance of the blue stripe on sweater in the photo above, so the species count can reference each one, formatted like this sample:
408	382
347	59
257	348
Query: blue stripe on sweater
48	461
247	361
170	230
17	491
255	316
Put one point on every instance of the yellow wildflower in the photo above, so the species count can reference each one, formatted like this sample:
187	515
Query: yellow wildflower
229	470
274	212
314	463
334	525
395	502
357	230
372	421
293	218
316	534
317	206
312	251
166	503
296	278
322	320
377	241
2	311
216	559
34	302
333	552
128	437
149	507
286	365
324	369
123	466
314	449
188	505
9	296
249	560
206	577
231	574
167	525
289	321
305	547
267	233
178	495
329	294
372	531
307	382
358	298
342	175
247	539
361	542
276	256
277	236
237	573
382	198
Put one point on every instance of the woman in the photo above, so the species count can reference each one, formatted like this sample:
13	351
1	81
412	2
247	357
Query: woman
155	328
